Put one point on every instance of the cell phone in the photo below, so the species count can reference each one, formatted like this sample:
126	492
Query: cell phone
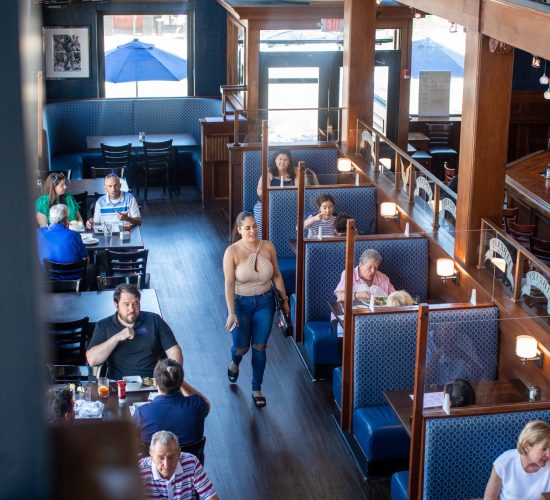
233	326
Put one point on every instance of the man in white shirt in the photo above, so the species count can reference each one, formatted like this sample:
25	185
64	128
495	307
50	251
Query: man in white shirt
116	205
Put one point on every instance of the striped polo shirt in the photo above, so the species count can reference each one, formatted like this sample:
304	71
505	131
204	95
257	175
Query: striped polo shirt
326	228
106	209
188	478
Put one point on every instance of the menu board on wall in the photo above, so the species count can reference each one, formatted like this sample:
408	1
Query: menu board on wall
434	93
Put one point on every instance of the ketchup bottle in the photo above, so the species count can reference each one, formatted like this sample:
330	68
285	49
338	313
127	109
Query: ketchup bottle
121	384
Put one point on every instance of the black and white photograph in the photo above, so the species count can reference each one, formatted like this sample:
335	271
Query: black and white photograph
67	52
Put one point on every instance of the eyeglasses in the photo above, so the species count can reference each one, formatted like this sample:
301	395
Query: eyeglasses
57	178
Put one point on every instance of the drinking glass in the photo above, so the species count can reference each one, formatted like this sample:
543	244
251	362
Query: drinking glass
103	387
107	230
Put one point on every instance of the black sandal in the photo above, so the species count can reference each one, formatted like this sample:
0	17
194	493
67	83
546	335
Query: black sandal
259	401
232	376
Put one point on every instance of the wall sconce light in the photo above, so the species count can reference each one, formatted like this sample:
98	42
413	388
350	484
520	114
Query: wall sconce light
535	63
445	269
385	162
389	212
547	93
344	165
527	350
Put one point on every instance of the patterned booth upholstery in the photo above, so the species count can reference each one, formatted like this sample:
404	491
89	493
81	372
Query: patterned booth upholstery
464	449
462	343
324	263
68	123
359	201
322	161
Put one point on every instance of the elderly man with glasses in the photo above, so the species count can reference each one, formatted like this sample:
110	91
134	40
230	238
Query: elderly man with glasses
116	205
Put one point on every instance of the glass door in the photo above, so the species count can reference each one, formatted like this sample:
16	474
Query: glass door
386	92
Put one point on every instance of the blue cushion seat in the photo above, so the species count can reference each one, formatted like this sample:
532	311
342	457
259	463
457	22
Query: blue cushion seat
421	155
321	345
337	385
287	266
380	434
442	150
400	485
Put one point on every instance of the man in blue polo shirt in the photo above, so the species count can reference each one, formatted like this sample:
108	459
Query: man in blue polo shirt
58	243
116	205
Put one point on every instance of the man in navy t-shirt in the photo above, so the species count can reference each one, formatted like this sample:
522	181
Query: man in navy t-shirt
131	341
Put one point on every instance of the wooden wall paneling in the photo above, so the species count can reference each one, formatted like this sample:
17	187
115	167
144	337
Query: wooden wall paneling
235	183
463	12
517	25
358	67
483	141
232	37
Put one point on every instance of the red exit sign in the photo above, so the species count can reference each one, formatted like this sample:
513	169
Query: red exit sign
332	24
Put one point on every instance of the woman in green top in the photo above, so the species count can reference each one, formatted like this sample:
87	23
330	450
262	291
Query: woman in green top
54	193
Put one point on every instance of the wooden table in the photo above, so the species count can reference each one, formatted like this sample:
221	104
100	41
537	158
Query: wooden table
59	307
114	242
487	394
419	141
178	140
92	186
530	190
112	410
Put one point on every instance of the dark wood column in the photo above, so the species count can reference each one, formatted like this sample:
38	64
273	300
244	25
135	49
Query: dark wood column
358	80
483	141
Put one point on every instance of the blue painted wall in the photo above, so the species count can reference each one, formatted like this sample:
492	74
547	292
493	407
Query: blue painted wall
209	43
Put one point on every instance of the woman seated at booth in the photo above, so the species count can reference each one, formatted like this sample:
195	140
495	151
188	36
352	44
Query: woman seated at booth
367	279
523	472
55	192
322	223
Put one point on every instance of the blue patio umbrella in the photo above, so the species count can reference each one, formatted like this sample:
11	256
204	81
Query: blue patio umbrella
428	55
136	61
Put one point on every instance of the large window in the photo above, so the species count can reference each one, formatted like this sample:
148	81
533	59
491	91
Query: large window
143	70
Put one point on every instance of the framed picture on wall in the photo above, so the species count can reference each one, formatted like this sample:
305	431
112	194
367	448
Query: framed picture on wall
67	52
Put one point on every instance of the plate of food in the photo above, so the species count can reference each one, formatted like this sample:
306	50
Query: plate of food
380	300
90	241
136	383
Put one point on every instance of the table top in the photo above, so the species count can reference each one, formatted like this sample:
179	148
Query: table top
114	242
59	307
523	179
76	186
487	394
417	136
178	140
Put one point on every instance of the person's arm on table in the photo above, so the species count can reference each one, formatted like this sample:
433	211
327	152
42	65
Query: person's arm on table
99	353
494	487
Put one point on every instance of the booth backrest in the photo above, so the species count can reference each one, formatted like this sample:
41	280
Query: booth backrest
323	161
358	201
404	260
67	123
465	341
460	451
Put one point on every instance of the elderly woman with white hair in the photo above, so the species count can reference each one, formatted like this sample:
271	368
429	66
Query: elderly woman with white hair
367	279
523	472
169	473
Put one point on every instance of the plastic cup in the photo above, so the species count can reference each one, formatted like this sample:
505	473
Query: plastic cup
103	387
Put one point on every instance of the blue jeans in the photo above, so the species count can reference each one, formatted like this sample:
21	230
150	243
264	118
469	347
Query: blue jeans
255	316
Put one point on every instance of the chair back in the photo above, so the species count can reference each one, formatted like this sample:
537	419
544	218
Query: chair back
157	154
71	373
43	174
115	157
60	271
125	263
99	172
64	286
196	448
509	215
539	248
111	282
439	133
450	173
69	341
82	200
520	232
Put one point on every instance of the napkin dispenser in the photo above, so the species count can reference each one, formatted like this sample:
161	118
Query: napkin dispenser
461	393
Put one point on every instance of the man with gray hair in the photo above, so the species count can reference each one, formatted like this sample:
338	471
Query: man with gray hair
169	473
57	243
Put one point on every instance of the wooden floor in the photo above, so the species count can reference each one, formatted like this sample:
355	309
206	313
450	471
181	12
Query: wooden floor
292	448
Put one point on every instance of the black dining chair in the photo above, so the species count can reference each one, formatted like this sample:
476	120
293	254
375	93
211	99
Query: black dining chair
156	165
195	448
60	271
69	341
111	282
115	160
128	263
43	174
60	374
82	200
64	286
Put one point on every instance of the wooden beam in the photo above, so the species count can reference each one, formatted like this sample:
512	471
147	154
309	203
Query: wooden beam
265	194
300	251
358	67
463	12
483	141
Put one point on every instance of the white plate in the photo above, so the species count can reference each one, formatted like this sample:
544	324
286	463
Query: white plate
90	241
134	383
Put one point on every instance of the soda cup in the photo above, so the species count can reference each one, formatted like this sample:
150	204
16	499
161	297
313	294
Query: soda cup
121	384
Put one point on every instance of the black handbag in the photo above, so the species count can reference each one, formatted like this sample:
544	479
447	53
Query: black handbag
283	321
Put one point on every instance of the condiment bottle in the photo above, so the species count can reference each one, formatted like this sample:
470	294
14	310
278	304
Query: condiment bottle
121	384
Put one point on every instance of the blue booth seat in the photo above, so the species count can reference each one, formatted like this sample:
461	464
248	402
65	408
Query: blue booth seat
321	344
337	385
380	434
287	266
400	485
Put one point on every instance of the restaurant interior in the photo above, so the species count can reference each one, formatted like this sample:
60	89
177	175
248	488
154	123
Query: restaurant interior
441	159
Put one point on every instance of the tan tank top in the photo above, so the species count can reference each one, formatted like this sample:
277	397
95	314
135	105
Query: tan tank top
253	275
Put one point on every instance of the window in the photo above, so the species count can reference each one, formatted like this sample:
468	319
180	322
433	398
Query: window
168	33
